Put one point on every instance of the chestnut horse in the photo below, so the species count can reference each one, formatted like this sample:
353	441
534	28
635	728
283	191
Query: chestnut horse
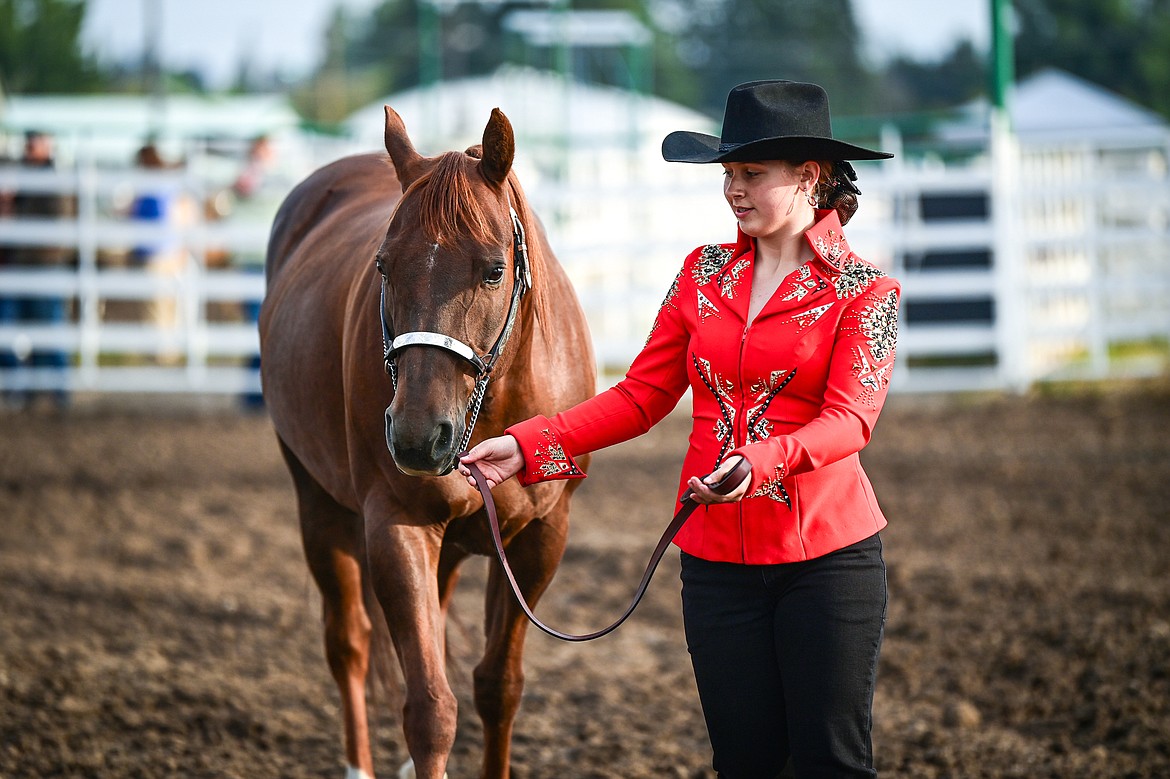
404	284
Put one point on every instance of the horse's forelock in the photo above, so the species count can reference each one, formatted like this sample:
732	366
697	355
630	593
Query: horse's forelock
448	206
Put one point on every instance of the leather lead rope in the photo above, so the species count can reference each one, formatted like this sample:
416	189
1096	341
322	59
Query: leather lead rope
724	486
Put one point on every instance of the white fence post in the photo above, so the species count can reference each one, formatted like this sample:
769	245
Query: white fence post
88	305
1009	262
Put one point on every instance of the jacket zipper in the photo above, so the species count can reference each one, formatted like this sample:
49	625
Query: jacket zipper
741	425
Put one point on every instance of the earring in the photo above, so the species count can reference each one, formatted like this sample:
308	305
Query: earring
812	201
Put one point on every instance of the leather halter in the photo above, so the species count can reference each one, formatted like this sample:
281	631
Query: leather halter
725	485
483	365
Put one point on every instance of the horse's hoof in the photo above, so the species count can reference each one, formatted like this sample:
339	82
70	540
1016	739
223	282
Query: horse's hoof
356	773
407	771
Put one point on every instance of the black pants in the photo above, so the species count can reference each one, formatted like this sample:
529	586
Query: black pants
785	659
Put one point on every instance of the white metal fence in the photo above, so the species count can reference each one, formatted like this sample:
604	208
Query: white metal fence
1076	283
111	333
1021	266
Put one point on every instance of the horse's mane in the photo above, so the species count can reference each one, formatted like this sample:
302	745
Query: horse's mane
448	209
541	299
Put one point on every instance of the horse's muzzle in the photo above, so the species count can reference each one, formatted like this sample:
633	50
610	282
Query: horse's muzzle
429	451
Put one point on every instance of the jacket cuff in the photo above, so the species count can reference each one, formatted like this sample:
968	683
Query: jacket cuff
545	458
765	482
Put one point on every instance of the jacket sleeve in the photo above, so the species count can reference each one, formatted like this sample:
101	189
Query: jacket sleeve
858	381
652	387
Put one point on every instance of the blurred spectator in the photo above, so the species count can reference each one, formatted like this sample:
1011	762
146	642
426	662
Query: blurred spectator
164	203
260	157
41	309
251	204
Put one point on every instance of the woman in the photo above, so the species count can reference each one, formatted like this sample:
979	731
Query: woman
786	339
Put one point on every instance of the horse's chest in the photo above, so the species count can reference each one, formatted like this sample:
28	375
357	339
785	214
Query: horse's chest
472	534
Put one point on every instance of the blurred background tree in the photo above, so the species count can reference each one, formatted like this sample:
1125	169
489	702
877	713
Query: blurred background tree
696	50
1122	45
726	42
401	44
907	84
40	48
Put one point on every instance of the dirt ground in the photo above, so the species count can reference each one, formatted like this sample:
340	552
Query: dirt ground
156	617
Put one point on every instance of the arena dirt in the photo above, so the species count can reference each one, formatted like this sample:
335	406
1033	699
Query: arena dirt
157	619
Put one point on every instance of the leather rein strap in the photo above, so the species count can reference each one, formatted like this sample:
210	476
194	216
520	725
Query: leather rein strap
724	486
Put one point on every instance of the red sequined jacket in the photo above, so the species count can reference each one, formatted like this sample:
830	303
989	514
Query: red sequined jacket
796	392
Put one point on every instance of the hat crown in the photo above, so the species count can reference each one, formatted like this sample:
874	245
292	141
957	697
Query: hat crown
774	109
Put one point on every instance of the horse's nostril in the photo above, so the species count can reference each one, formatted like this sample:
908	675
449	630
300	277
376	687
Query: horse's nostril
444	440
389	431
422	450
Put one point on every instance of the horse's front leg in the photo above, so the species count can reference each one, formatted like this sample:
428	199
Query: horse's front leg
332	540
403	569
450	559
534	554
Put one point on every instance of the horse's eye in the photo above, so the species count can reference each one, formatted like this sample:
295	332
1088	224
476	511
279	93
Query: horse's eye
494	276
380	265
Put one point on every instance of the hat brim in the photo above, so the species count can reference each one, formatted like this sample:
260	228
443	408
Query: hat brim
685	146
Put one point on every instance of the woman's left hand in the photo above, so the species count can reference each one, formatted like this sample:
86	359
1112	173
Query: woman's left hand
703	493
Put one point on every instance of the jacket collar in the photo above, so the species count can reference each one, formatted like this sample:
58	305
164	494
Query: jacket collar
826	238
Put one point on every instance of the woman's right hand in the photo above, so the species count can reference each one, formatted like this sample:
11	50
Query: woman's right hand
701	489
499	459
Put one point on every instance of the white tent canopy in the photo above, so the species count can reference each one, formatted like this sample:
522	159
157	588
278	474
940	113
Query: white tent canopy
1053	106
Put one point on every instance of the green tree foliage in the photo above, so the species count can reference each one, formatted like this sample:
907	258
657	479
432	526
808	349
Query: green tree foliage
914	85
618	64
701	48
727	42
337	89
1123	45
698	50
390	49
398	38
40	49
404	43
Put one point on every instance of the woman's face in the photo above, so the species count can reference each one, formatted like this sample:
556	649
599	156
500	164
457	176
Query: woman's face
766	196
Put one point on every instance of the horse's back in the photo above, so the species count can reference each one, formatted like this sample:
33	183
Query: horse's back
361	187
320	262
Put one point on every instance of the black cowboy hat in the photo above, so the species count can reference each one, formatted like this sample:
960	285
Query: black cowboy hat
769	120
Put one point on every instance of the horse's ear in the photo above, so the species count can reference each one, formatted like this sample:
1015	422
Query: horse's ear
406	160
499	148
